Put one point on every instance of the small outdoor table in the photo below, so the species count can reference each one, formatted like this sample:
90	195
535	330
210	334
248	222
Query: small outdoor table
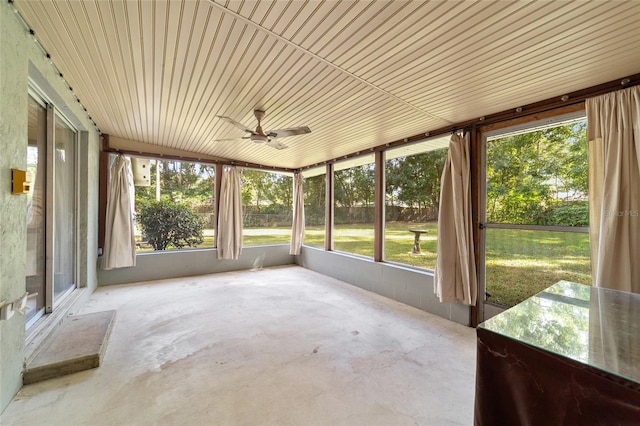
416	240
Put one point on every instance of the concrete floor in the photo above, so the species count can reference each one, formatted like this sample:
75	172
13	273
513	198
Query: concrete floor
279	346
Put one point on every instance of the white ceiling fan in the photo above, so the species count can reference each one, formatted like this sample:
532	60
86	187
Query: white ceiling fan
270	137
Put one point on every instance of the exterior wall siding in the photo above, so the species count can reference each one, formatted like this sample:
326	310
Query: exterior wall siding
21	60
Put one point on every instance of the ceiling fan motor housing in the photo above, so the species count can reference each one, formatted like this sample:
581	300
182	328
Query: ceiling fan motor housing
258	136
259	114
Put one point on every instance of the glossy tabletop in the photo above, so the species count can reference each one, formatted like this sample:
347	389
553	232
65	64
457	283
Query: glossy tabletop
594	326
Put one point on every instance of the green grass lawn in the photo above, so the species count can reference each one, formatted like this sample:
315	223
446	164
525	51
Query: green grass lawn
250	236
358	239
519	263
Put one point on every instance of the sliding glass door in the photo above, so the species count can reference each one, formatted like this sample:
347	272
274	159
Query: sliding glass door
36	210
51	209
64	223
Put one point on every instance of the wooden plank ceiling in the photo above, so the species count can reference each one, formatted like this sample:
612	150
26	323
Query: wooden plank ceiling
358	73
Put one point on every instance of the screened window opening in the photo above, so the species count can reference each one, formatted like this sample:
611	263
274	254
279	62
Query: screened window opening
412	195
354	188
314	207
174	204
267	203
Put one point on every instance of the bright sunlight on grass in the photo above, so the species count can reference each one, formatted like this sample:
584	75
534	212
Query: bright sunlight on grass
521	263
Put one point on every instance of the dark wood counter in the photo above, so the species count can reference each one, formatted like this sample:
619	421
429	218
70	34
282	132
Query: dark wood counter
569	355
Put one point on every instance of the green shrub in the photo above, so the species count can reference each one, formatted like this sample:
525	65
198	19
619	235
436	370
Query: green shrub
570	213
165	224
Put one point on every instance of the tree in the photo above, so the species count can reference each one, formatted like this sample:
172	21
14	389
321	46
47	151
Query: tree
354	186
354	194
281	192
267	192
414	181
539	177
165	224
255	186
180	181
314	199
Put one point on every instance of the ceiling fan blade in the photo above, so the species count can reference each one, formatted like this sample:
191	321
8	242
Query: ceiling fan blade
227	140
276	144
291	131
235	123
232	139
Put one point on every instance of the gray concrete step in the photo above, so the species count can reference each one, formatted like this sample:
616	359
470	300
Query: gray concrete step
79	344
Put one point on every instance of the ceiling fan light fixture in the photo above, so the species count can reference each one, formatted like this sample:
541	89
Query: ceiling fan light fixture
256	138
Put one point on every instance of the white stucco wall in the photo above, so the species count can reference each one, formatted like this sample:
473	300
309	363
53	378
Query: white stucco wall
13	137
20	59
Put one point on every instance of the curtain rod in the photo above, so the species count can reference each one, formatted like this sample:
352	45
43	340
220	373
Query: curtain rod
224	161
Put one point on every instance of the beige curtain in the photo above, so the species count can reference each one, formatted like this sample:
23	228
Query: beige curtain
119	242
613	132
229	234
297	227
455	274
